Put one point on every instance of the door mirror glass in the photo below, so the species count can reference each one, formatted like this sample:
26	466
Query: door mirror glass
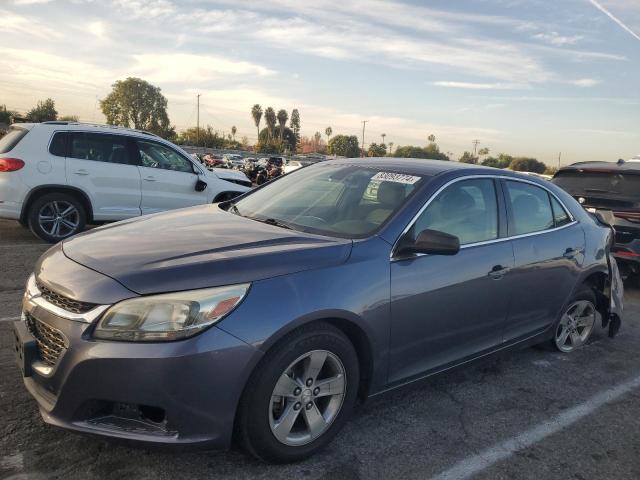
431	242
200	185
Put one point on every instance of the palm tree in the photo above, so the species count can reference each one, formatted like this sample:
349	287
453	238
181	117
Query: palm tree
234	130
383	135
270	118
328	131
283	116
317	136
390	148
431	138
256	113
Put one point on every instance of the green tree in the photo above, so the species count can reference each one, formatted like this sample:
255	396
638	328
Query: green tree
6	115
431	151
44	111
376	150
483	152
501	161
467	157
526	164
270	118
69	118
282	116
206	137
256	114
328	131
136	103
390	148
234	130
431	138
295	124
288	141
344	145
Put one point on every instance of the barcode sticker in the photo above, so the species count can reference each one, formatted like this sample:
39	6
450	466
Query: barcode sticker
395	177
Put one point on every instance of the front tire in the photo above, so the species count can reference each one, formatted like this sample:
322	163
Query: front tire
56	216
300	396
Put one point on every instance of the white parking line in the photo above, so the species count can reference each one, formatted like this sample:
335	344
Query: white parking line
473	465
9	319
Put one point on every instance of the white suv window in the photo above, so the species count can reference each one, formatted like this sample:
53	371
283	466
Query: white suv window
99	147
156	155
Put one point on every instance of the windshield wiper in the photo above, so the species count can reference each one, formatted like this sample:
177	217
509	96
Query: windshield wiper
275	222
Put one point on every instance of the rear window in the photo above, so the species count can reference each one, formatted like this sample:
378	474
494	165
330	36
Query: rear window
12	138
594	183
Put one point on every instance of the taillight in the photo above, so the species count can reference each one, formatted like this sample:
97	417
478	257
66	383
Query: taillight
10	164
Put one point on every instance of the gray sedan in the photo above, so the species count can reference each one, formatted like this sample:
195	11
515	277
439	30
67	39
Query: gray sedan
269	316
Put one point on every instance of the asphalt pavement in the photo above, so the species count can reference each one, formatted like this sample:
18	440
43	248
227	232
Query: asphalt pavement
530	415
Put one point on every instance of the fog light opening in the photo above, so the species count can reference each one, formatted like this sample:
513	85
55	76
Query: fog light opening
152	414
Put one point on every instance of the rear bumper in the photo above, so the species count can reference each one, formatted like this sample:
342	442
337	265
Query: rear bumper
10	210
183	392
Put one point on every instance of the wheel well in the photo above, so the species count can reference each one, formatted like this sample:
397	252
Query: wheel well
37	193
360	342
598	283
224	196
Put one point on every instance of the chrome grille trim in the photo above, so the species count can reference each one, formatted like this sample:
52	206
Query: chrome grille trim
51	341
63	302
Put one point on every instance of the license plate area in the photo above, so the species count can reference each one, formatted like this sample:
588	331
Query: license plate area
25	348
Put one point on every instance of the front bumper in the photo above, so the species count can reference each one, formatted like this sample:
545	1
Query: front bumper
174	392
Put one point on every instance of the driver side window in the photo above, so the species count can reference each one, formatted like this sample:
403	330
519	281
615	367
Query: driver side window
155	155
467	209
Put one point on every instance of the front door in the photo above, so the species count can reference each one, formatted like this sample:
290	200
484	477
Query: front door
100	165
446	308
168	179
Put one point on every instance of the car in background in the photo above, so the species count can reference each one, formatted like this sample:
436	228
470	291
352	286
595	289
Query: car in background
55	177
613	190
265	318
291	166
234	160
211	160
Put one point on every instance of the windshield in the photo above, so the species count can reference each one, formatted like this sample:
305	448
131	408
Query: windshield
345	201
599	183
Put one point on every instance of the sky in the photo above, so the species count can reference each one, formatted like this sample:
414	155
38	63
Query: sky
537	77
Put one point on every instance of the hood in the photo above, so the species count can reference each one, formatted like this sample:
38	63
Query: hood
228	173
199	247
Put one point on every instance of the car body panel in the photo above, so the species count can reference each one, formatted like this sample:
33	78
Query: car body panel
198	248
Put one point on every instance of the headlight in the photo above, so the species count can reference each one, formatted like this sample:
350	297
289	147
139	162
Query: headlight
170	316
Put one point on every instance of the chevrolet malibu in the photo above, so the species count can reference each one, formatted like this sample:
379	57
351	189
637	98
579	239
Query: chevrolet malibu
266	318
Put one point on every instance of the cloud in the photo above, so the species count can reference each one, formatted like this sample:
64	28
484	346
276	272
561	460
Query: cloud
615	19
191	68
98	29
584	82
146	8
554	38
478	86
30	2
18	24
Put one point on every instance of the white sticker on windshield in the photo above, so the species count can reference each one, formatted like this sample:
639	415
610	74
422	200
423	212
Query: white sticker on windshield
395	177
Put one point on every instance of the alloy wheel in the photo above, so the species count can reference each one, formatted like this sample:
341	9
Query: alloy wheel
307	398
575	326
59	218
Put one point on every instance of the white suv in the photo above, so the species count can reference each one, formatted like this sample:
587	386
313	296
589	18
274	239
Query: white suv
55	177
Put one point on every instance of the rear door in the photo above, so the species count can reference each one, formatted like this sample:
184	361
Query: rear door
168	179
549	248
101	165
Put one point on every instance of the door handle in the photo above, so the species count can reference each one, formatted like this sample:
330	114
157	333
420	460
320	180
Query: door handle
498	271
571	252
81	172
150	178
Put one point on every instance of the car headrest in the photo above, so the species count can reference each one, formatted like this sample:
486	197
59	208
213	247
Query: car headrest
391	194
526	203
457	201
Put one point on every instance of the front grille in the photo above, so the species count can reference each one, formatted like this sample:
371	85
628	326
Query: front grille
51	342
63	302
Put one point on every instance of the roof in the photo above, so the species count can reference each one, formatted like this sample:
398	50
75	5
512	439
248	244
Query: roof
619	166
418	166
85	127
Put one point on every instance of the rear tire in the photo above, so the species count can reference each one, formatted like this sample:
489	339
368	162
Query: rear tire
289	408
576	324
56	216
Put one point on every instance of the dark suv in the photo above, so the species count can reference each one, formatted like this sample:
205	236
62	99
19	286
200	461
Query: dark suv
613	189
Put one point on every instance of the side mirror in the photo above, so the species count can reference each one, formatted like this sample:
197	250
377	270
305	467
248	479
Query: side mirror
200	185
431	242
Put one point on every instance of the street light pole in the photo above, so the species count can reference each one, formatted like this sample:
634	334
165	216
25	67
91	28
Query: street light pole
364	123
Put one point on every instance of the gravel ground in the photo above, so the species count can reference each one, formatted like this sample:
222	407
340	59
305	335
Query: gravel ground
529	415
